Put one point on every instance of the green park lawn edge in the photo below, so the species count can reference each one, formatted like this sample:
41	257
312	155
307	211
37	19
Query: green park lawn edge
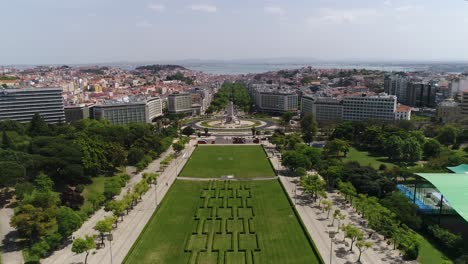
188	159
269	161
304	228
301	224
144	228
365	159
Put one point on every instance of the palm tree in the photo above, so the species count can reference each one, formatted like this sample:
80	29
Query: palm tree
327	205
341	217
336	215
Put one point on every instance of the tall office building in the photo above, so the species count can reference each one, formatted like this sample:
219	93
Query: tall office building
136	110
421	94
22	104
324	109
179	103
397	85
276	100
361	108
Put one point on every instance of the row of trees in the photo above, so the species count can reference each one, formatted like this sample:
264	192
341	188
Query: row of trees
36	157
315	187
119	208
231	91
72	154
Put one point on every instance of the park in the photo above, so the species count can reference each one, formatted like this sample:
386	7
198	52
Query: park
225	221
223	160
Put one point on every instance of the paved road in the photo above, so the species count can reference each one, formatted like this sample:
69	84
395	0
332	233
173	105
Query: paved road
10	251
130	228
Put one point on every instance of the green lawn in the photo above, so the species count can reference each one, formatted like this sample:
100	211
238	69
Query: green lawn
365	158
240	161
428	254
97	186
223	222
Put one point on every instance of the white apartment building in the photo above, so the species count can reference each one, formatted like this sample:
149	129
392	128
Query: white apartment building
403	112
397	85
276	100
324	109
179	103
361	108
22	104
136	111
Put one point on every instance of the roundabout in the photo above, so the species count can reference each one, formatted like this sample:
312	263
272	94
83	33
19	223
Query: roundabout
219	123
230	122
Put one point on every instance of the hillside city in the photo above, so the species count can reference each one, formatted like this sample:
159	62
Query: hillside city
163	164
330	94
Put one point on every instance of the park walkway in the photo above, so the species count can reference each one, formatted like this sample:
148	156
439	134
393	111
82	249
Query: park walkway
128	230
11	252
319	226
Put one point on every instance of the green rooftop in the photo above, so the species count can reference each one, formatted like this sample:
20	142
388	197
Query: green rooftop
453	186
463	168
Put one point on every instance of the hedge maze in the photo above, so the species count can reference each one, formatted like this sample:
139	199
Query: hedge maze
224	226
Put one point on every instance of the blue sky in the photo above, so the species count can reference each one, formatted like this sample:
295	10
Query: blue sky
92	31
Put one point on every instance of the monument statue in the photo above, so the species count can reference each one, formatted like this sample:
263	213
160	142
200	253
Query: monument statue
231	117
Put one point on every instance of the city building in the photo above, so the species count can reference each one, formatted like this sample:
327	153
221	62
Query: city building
403	112
458	86
421	95
179	103
22	104
448	111
397	85
201	99
464	104
135	110
276	100
324	109
75	113
361	108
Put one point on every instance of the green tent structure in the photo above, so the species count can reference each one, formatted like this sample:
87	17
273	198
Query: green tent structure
440	193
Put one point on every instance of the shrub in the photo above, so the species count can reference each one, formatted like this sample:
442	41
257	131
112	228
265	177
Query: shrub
40	249
79	188
409	245
450	241
123	178
53	240
111	189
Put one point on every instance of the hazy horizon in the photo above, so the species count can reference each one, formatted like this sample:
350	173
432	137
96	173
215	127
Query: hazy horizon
43	32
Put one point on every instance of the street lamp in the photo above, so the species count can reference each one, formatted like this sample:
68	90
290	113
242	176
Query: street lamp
331	235
110	238
156	191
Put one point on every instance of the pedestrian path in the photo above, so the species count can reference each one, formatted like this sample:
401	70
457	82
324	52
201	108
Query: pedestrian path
318	226
127	231
11	253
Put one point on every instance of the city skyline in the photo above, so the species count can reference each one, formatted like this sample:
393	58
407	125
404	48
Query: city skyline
104	31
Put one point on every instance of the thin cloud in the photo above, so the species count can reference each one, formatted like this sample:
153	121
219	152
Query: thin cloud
404	8
156	7
204	8
143	24
340	16
274	10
